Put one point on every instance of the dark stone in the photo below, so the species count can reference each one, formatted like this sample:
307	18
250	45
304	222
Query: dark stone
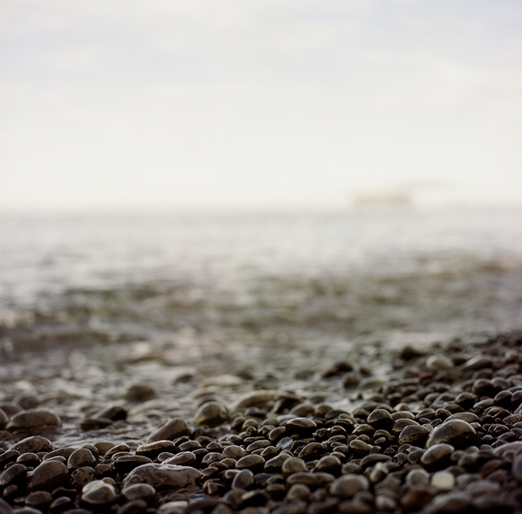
347	486
153	449
171	430
303	427
81	457
82	476
33	444
114	412
162	476
34	418
455	432
253	462
211	414
415	435
14	474
49	475
98	493
437	456
312	480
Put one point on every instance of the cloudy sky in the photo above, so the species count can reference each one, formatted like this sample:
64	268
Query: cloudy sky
175	104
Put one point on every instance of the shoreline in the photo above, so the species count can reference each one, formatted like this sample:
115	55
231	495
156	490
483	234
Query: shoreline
375	430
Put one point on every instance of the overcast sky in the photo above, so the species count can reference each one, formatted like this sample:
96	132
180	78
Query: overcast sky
166	104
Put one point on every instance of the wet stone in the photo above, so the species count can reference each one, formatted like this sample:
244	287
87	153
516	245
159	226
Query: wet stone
171	430
82	476
211	414
98	493
415	435
456	432
312	480
139	492
449	503
140	392
380	419
439	362
274	464
14	474
437	456
81	457
302	426
33	444
253	462
47	476
34	418
516	467
162	476
243	480
347	486
182	459
298	492
153	449
293	465
443	480
39	499
126	463
114	413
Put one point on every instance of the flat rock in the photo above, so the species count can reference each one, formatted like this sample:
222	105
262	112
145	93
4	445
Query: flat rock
34	418
162	476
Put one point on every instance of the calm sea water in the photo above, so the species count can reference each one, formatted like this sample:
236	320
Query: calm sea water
266	277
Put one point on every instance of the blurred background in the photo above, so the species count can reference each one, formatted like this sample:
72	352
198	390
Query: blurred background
229	184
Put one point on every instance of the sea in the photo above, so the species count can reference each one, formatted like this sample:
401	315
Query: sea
266	281
197	306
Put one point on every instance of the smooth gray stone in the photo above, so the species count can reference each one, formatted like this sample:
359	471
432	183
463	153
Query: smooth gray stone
49	475
211	414
171	430
98	493
34	418
81	457
456	432
162	476
347	486
33	444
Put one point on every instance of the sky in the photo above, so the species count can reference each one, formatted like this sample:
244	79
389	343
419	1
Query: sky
259	104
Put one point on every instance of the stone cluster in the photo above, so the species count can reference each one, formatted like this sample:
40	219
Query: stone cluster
442	434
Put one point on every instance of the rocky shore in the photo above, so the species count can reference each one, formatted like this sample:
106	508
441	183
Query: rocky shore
404	430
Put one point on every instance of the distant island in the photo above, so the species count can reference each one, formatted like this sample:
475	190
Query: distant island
382	200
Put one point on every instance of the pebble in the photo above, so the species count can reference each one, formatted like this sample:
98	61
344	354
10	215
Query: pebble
171	430
81	457
437	456
33	444
347	486
98	493
34	418
456	432
162	476
439	362
211	414
140	392
443	480
47	476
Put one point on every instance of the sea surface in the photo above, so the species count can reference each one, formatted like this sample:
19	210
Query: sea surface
258	277
200	306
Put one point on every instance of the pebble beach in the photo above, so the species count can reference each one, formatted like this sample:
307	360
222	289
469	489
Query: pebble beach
440	431
237	373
